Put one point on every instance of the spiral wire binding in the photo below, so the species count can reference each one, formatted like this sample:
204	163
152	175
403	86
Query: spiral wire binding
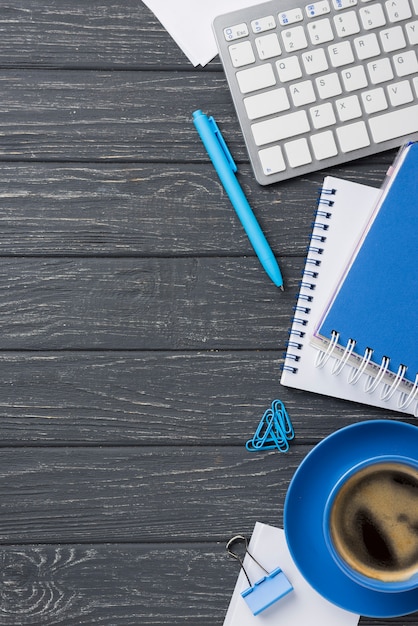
356	372
372	383
405	399
389	390
309	277
322	356
300	319
341	362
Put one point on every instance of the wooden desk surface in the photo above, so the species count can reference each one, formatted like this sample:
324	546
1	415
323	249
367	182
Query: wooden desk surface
140	340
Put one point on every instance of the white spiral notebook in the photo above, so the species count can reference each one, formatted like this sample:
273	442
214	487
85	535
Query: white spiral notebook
344	210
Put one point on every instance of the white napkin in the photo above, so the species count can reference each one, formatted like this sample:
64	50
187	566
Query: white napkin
190	23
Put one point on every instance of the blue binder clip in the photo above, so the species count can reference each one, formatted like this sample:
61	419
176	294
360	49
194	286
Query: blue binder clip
266	591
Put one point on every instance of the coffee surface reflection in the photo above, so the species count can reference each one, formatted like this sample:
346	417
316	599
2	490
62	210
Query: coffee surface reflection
374	521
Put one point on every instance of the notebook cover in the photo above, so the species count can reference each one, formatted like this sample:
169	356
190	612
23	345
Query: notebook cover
344	210
376	304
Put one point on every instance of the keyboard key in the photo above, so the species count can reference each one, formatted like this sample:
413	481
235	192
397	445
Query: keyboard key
291	17
298	152
318	8
328	86
278	128
294	39
263	24
353	137
315	61
398	10
320	31
380	71
267	103
374	100
348	108
367	46
400	93
272	160
236	32
322	115
242	54
289	69
354	78
343	4
392	39
394	124
412	32
372	16
346	24
268	46
341	54
256	78
406	63
324	146
302	93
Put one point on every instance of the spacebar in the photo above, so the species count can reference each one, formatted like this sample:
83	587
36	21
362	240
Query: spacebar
395	124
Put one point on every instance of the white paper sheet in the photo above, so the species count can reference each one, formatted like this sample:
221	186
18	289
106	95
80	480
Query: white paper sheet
190	23
302	606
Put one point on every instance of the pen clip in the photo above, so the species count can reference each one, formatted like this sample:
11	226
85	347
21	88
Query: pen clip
222	143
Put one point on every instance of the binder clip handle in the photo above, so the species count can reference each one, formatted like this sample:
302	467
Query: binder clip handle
241	539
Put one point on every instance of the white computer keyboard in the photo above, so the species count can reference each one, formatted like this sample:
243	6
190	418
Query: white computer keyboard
315	85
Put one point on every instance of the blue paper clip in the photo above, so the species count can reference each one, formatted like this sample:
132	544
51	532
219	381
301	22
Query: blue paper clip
266	591
274	431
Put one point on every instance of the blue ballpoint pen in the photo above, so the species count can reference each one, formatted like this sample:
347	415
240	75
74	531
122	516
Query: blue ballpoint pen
225	167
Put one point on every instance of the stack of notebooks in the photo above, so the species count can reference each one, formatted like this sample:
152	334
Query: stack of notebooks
355	330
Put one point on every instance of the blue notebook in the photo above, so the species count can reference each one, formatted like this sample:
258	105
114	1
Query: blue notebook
372	318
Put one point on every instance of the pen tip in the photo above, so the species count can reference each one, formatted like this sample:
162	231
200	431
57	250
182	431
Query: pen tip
281	287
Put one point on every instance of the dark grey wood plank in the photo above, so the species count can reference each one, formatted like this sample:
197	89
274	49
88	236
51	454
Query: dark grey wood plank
149	210
158	303
135	116
127	420
140	494
156	398
74	33
126	584
132	116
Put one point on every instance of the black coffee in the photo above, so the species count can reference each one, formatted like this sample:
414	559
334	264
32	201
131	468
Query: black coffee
374	521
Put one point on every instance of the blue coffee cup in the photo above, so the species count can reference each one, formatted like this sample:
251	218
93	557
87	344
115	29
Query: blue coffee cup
370	523
310	493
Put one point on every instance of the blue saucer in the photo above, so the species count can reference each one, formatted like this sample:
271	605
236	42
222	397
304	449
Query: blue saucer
305	504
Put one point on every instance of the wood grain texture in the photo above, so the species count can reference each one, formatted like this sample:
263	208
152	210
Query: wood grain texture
96	34
140	494
149	210
154	398
158	303
126	584
70	115
140	340
50	209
